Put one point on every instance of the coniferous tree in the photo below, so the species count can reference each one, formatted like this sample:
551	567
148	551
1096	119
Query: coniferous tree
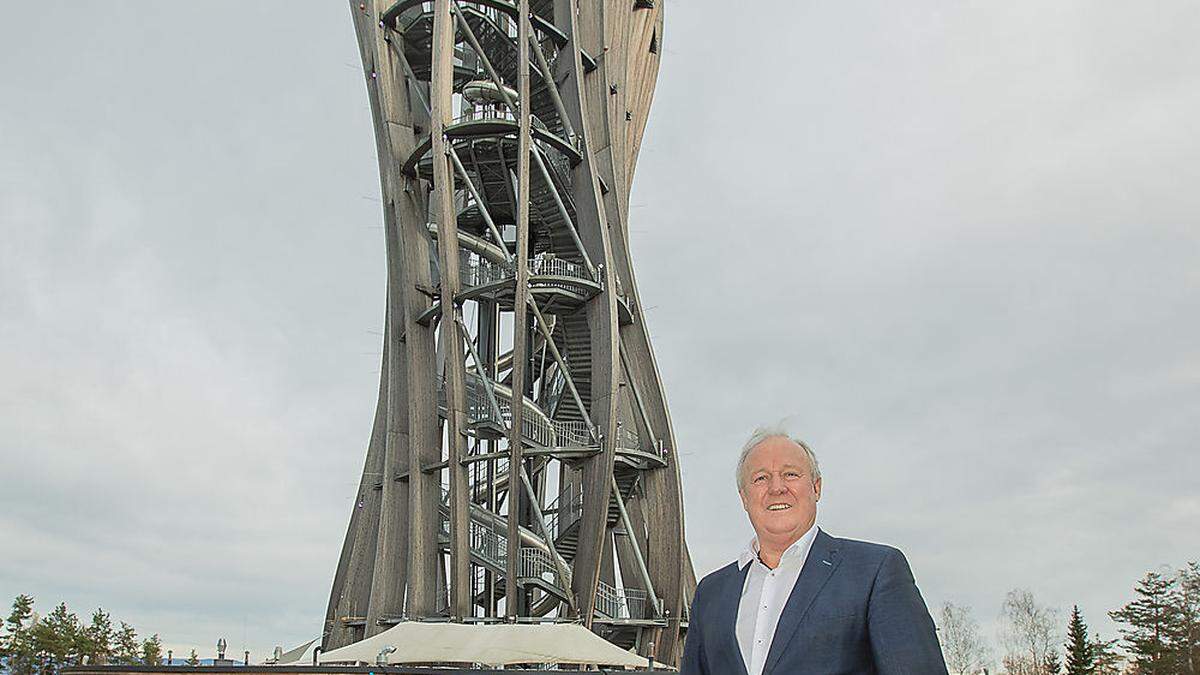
1106	658
127	650
152	650
1188	605
33	646
1080	660
96	638
1152	621
1052	666
17	646
56	638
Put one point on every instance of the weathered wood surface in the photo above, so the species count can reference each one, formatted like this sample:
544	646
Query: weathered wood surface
520	332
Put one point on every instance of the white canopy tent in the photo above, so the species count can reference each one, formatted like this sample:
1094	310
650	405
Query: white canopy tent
491	645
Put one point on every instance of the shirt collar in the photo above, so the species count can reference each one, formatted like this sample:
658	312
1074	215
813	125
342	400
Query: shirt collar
800	545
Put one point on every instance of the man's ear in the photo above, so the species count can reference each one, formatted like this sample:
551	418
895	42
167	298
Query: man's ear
742	495
817	489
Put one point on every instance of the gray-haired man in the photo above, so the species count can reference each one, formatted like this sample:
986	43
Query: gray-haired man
799	601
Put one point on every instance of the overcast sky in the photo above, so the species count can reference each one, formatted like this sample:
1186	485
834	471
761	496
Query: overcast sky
955	244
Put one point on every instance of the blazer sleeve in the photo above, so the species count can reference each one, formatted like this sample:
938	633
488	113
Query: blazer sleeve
694	662
902	634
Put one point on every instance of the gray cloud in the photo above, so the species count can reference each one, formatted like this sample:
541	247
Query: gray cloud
955	245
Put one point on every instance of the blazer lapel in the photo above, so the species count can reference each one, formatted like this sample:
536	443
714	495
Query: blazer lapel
822	562
731	597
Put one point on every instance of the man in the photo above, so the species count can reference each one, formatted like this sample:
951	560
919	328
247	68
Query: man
799	601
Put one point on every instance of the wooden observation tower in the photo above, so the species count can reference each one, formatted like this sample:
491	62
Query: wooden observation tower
522	465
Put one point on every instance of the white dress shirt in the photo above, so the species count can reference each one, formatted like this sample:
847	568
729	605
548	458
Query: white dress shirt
765	593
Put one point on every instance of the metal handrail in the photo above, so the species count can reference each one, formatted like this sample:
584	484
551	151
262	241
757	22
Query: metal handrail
475	271
621	603
488	544
534	428
546	264
535	563
492	547
628	438
479	408
559	167
553	391
560	515
572	435
509	27
412	15
489	111
479	112
497	111
484	542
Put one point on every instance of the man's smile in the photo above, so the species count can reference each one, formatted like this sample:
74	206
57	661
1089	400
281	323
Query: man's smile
778	507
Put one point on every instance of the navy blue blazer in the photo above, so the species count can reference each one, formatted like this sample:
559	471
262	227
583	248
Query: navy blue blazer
854	609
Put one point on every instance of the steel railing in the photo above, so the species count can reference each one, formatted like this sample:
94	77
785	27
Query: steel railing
572	435
552	393
562	513
492	548
475	271
481	112
412	15
535	563
490	111
546	264
484	543
628	438
622	603
535	429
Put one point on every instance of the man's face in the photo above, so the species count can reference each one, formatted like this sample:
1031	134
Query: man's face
778	490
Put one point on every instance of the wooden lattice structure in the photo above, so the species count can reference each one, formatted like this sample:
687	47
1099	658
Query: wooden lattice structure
522	464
